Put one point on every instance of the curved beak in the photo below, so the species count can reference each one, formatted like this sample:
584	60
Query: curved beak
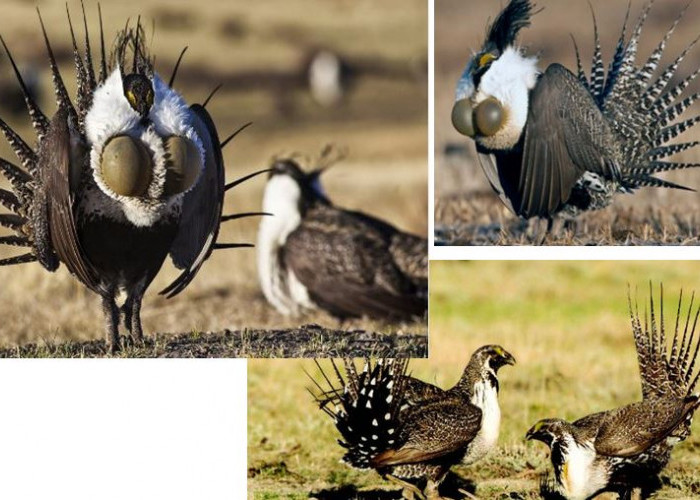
539	432
531	434
508	358
463	118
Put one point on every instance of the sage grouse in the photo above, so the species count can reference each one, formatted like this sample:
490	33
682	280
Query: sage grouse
412	432
558	143
623	449
312	254
121	179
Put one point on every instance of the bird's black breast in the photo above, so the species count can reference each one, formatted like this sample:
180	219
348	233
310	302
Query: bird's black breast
125	254
509	166
557	456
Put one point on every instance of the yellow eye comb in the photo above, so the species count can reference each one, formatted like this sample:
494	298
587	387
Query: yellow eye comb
485	59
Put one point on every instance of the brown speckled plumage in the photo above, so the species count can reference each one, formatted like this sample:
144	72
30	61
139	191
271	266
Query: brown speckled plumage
410	431
633	443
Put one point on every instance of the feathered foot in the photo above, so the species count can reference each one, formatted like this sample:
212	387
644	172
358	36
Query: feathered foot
537	230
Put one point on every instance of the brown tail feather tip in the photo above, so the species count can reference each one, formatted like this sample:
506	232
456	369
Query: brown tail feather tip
20	259
240	180
177	66
223	143
17	241
222	246
243	215
211	94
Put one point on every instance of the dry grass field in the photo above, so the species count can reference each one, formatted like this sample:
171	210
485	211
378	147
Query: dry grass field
466	210
567	325
256	50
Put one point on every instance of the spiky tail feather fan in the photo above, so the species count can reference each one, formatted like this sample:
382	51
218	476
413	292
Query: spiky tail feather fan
641	109
365	406
663	373
26	201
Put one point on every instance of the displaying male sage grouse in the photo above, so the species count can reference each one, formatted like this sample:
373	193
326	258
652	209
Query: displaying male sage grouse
558	143
312	254
412	432
121	179
624	449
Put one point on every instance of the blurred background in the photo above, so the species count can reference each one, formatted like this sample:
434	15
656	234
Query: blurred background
263	54
466	210
567	325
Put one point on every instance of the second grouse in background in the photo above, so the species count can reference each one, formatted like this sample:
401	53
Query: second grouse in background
312	254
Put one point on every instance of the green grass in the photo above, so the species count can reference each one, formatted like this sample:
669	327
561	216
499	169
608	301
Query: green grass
567	325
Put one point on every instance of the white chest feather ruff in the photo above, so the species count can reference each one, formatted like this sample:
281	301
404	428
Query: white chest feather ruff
581	475
509	79
280	286
485	397
111	115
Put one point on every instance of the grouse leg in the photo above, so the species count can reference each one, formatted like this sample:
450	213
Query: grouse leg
431	490
126	312
136	328
111	315
537	230
636	494
410	491
132	314
631	494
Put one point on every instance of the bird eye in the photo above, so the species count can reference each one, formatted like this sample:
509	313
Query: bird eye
126	166
488	117
183	165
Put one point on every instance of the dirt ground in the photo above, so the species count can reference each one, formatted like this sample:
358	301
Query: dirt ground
466	210
257	52
306	341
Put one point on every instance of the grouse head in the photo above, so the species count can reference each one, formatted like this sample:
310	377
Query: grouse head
493	357
138	90
549	430
491	102
290	185
145	149
483	368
